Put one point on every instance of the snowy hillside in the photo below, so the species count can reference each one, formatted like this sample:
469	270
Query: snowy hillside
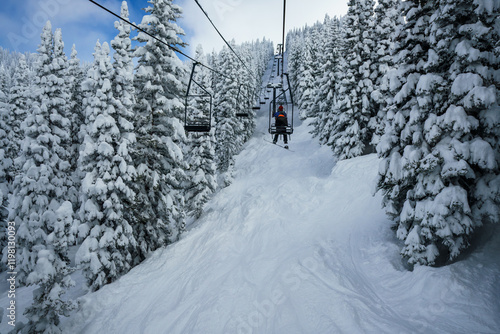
297	244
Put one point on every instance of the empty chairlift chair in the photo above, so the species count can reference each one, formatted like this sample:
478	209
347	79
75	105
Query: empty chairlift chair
245	112
198	107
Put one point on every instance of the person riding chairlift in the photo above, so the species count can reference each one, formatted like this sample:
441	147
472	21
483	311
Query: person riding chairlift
281	124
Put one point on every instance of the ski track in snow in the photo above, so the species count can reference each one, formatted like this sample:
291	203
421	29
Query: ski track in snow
296	244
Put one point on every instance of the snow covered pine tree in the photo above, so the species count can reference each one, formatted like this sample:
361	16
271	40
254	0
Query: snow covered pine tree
352	111
201	147
159	212
105	254
39	206
440	168
228	127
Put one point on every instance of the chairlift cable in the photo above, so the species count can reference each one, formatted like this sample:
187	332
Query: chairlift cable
225	41
283	37
161	41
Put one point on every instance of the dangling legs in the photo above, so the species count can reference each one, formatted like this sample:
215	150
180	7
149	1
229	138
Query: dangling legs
275	138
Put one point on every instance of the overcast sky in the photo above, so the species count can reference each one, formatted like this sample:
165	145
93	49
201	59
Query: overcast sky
83	23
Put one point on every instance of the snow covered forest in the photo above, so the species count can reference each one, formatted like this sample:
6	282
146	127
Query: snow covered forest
418	83
97	172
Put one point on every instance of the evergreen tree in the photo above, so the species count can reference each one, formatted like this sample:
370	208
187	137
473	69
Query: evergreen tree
248	76
311	71
5	83
159	83
43	183
39	205
124	102
13	108
227	125
5	167
76	75
396	143
105	253
352	112
306	89
439	173
297	64
387	18
201	158
294	51
18	101
52	274
330	70
322	73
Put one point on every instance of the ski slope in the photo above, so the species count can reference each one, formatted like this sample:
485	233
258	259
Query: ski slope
297	244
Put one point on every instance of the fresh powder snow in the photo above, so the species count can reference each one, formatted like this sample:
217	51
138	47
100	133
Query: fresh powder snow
296	244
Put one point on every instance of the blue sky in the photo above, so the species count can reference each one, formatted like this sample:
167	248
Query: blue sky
83	23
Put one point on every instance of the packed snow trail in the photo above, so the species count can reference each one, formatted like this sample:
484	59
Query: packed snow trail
296	244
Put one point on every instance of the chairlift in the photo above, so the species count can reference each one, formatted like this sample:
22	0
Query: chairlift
244	112
285	98
198	108
247	114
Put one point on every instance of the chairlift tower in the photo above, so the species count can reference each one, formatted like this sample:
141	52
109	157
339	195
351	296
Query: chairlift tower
279	59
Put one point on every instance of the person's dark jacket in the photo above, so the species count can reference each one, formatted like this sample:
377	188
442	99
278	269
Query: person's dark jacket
281	118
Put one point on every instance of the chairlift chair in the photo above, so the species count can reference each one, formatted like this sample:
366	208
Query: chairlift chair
245	112
197	128
281	99
197	119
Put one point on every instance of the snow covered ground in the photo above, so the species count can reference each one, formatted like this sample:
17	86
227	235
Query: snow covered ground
297	244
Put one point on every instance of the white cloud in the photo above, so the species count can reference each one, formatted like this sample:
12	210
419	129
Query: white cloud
67	12
78	19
